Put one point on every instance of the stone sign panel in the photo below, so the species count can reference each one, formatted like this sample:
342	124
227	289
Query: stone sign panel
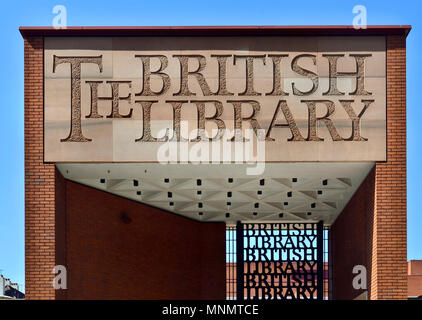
213	99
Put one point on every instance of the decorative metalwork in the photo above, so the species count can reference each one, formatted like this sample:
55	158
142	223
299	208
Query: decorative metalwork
279	261
231	263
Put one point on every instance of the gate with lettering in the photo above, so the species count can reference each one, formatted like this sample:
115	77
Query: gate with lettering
279	261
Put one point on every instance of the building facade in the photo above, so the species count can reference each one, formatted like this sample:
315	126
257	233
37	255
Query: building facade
414	279
117	184
9	290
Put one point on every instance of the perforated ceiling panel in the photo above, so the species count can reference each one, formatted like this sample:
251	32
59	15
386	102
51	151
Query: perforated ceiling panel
224	192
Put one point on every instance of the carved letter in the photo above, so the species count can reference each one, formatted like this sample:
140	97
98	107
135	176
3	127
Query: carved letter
313	119
277	91
359	74
184	74
93	85
249	90
146	130
177	109
200	105
222	75
347	105
75	134
291	123
307	73
146	65
115	99
238	119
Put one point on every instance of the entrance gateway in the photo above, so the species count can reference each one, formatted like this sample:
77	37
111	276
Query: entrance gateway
280	261
270	147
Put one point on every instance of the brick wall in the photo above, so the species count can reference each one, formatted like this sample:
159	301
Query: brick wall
50	238
382	248
351	240
389	251
39	182
150	254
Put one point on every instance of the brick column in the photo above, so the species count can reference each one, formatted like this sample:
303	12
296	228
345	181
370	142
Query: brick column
371	230
389	250
39	182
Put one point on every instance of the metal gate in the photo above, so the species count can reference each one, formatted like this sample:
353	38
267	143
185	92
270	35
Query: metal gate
279	261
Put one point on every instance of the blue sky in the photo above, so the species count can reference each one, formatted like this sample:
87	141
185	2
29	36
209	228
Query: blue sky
169	12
